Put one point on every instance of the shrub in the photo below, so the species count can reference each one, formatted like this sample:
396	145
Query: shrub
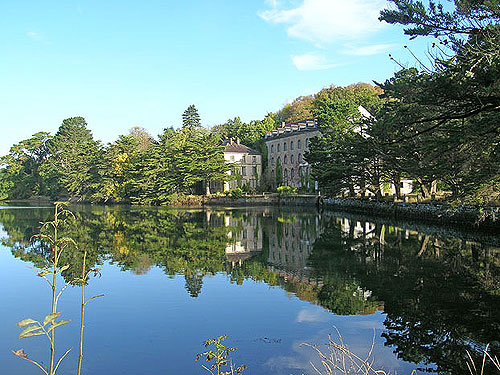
286	190
236	193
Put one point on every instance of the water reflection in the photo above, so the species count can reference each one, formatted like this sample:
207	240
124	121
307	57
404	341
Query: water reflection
440	291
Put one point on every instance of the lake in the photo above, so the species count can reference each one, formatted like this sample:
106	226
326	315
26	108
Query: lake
270	279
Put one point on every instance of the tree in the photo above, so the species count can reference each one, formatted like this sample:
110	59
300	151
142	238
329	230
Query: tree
342	158
116	170
191	118
20	176
142	137
446	116
73	162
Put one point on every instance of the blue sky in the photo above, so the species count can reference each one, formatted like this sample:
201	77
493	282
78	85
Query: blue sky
126	63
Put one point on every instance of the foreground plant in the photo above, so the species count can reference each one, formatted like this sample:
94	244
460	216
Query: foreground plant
49	234
489	362
337	358
222	364
83	280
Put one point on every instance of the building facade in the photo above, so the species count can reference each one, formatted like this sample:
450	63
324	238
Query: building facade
247	163
285	154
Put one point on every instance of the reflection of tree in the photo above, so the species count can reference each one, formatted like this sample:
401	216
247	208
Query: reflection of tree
341	291
135	239
439	293
194	283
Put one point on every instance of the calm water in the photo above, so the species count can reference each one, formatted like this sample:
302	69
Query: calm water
270	279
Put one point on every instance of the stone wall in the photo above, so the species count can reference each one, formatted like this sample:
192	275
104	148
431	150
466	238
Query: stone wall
486	218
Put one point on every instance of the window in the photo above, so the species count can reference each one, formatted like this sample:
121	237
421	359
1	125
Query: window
291	145
272	148
285	159
284	146
243	171
279	160
307	142
254	159
254	171
231	157
299	144
292	173
278	145
272	161
243	159
300	158
291	159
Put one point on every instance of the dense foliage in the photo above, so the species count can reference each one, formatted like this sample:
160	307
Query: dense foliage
135	168
438	123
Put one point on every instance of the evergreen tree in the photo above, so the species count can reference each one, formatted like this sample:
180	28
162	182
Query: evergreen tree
191	118
73	162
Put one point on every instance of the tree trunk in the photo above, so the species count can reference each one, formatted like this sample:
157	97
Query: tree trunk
425	191
434	187
396	180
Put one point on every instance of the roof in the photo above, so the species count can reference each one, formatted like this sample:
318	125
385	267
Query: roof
236	147
291	129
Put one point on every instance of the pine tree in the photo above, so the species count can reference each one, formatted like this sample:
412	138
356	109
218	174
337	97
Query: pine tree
191	118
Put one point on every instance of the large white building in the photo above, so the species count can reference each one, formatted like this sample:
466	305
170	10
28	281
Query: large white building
285	152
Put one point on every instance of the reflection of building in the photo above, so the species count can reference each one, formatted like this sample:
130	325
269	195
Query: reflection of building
244	233
285	153
245	237
291	241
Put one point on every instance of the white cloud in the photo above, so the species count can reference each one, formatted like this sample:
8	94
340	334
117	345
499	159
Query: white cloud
36	37
374	49
326	21
306	315
311	61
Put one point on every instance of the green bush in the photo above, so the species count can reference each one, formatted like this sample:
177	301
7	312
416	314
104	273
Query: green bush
236	193
286	190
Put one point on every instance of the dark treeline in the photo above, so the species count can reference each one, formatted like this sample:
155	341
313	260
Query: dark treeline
437	125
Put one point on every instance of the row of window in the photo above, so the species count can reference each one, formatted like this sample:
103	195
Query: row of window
244	171
285	159
243	159
285	145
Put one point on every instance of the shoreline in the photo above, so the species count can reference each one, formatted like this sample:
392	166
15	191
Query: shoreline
469	217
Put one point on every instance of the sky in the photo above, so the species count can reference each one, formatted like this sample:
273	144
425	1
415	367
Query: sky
129	63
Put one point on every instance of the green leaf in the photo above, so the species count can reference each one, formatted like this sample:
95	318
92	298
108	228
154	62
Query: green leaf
50	318
31	331
57	324
25	322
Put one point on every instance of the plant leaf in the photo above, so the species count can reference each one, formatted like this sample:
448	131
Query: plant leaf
29	334
28	330
57	324
25	322
50	318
